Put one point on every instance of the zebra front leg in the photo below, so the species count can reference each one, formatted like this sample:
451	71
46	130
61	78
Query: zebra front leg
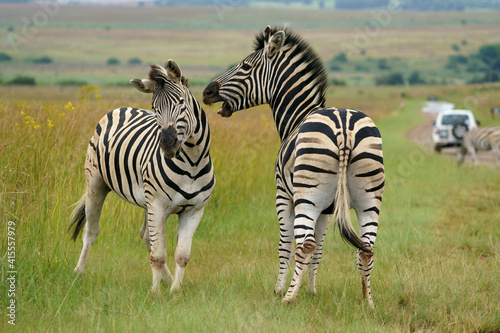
188	223
93	207
143	232
321	227
284	209
158	254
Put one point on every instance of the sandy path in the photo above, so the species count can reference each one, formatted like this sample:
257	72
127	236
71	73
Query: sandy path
422	134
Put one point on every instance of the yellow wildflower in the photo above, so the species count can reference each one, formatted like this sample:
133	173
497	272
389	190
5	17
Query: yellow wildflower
69	107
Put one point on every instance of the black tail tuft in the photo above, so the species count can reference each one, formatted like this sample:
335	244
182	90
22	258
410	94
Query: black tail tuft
352	238
78	218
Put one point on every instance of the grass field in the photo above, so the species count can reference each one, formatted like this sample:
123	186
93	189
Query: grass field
437	254
205	41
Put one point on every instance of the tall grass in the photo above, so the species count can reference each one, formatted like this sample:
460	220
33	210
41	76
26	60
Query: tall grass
436	258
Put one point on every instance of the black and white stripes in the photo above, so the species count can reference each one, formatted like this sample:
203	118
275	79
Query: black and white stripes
481	138
329	161
157	160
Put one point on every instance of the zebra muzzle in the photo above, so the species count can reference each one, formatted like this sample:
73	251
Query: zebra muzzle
225	110
211	95
169	143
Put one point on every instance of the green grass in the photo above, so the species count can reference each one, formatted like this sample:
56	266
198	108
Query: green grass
80	39
437	254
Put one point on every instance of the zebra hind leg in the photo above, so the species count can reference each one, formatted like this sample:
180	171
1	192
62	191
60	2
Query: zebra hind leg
364	261
496	152
303	255
96	194
143	232
368	225
321	227
285	217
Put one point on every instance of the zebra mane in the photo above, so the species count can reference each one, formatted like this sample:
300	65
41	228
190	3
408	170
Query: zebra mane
315	65
159	75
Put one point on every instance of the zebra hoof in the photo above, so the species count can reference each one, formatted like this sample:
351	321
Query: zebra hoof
279	292
289	300
79	272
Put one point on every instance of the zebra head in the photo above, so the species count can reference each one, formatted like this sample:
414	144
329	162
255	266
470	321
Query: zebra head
248	83
172	103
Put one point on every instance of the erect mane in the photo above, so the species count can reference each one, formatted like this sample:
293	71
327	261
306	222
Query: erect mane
159	75
315	65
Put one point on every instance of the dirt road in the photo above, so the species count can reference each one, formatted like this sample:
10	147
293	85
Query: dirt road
423	134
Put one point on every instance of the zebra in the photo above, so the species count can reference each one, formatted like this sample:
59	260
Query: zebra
481	138
157	160
329	160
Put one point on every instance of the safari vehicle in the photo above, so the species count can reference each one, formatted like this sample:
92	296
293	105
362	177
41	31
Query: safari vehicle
450	127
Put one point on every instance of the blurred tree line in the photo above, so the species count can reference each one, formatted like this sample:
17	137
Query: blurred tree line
486	63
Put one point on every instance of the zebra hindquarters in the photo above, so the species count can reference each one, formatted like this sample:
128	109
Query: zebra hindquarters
315	168
366	180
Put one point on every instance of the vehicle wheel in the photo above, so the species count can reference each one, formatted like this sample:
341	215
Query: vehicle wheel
459	130
437	148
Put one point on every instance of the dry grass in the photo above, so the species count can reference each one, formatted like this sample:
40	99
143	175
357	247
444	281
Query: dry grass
436	258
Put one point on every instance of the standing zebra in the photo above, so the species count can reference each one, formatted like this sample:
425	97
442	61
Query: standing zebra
481	138
156	160
329	161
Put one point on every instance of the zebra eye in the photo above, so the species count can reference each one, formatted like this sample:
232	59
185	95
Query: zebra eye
246	67
181	101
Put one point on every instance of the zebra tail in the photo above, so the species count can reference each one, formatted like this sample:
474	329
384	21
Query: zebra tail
343	205
78	217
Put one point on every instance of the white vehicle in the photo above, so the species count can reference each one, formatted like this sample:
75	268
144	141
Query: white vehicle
450	127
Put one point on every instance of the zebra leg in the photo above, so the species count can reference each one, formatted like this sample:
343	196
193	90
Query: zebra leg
96	194
284	209
188	222
461	154
158	254
368	225
304	226
145	235
321	227
496	152
474	156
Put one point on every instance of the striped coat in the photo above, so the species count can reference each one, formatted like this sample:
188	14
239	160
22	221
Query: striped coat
481	138
330	159
157	160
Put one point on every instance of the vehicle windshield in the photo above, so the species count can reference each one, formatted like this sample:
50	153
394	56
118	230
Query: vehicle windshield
452	119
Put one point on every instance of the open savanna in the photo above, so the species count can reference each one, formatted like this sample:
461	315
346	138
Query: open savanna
207	40
436	257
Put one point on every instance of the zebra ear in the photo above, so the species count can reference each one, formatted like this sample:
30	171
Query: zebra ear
267	32
275	43
173	71
146	86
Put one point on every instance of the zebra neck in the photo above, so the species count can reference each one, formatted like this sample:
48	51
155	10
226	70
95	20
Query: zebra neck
197	147
291	109
297	88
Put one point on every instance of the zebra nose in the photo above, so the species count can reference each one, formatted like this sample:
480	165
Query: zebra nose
211	91
169	142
